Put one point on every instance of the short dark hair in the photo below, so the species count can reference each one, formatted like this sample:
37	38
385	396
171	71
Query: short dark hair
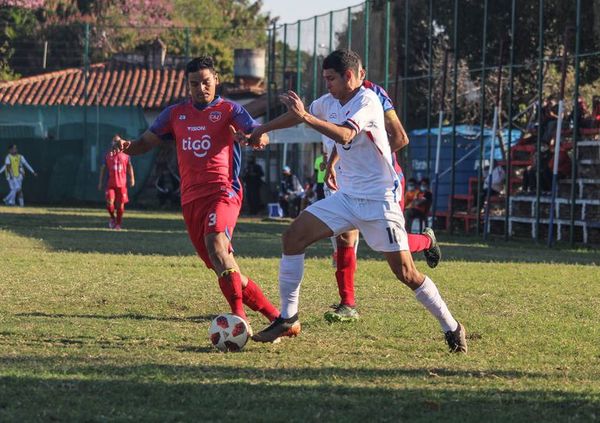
425	180
10	147
199	63
343	60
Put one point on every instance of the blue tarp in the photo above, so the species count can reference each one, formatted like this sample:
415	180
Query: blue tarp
466	159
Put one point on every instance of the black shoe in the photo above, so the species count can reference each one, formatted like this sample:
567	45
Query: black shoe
433	255
457	340
279	327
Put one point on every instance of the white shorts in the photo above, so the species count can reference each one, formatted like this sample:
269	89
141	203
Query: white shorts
381	223
15	184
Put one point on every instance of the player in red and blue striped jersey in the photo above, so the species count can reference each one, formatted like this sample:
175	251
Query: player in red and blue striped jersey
206	129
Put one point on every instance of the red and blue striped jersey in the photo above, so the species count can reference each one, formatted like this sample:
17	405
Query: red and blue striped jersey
209	159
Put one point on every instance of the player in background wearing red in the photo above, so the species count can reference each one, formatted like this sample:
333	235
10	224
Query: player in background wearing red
119	166
207	130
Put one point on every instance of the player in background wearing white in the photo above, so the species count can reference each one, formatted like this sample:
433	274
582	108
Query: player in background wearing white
367	199
14	168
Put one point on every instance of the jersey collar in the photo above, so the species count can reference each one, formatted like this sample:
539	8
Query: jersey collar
205	106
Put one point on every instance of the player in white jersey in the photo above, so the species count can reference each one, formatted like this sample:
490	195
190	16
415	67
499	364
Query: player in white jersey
14	168
367	199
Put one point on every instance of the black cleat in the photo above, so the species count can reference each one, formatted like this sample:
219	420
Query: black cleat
278	328
457	340
433	255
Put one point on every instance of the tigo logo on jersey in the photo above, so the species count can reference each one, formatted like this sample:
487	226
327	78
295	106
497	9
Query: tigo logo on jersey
214	116
182	117
198	147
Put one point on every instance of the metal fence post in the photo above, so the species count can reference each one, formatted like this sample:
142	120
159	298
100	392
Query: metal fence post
349	29
540	129
314	79
429	85
366	55
510	117
454	100
482	118
298	62
386	57
575	121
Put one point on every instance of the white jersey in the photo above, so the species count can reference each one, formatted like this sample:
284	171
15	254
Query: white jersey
365	168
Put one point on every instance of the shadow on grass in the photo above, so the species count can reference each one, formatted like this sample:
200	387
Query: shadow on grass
252	238
71	390
127	316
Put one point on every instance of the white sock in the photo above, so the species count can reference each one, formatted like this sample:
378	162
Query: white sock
291	271
428	295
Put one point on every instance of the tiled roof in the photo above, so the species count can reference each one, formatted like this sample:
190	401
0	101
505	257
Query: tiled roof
109	84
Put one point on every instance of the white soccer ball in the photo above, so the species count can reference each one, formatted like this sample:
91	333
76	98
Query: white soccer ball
228	332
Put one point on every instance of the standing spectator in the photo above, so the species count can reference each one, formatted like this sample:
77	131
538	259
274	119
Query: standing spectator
14	168
119	166
252	177
549	119
419	206
319	178
596	111
167	186
291	193
497	181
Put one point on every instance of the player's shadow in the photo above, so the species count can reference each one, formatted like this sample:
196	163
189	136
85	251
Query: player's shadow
155	234
127	316
81	388
150	235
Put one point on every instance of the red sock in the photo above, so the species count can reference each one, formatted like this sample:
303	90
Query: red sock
111	210
254	298
418	242
346	268
120	212
231	287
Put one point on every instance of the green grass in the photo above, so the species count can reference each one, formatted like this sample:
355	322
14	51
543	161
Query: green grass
98	325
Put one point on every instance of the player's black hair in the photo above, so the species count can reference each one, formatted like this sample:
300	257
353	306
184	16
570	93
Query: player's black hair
10	147
199	63
425	180
342	60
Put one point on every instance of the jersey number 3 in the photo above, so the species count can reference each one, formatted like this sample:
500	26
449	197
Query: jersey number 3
212	219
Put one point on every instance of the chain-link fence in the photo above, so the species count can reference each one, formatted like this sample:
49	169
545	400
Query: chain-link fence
502	56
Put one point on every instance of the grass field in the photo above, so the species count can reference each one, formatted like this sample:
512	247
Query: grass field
97	325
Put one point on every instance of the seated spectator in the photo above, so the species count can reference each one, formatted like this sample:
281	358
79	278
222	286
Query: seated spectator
584	119
167	186
411	192
529	175
497	181
596	111
419	205
291	193
311	194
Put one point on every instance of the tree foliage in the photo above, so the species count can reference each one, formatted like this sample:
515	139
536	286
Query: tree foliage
186	26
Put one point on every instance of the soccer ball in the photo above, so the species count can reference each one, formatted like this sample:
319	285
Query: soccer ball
228	332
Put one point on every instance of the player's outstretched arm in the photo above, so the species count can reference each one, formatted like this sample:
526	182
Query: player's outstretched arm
341	134
131	175
330	176
101	178
396	133
146	142
286	120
